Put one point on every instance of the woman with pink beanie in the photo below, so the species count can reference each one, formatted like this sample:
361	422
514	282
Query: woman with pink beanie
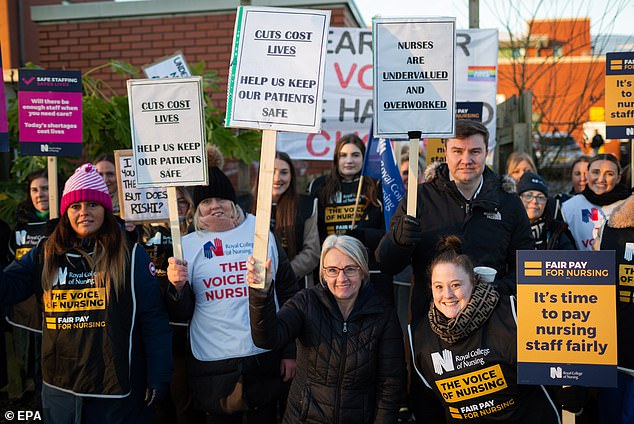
106	343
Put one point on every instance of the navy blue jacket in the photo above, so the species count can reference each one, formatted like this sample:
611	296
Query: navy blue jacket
96	344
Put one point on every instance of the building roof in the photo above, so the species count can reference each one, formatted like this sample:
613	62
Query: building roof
118	10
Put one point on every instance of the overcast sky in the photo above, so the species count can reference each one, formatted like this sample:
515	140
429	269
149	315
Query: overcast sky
607	16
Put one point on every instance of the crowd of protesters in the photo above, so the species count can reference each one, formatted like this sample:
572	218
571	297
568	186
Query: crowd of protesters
112	328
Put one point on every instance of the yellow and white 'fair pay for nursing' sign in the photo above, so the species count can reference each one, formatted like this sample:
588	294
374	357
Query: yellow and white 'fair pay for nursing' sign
277	69
566	318
414	89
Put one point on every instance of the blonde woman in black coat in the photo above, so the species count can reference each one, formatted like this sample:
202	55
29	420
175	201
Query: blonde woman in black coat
350	366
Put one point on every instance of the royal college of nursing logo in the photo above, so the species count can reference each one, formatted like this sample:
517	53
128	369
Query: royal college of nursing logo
62	273
213	249
442	362
20	237
588	215
555	372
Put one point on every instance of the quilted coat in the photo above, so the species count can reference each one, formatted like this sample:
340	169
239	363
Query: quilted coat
348	371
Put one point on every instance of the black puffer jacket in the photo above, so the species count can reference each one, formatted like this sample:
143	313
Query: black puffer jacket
347	371
618	235
493	226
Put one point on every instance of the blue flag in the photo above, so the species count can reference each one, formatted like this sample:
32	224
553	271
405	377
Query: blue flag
379	163
372	160
393	188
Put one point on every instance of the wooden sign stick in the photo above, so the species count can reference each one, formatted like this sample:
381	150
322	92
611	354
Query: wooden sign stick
265	194
412	175
567	417
53	204
356	203
175	227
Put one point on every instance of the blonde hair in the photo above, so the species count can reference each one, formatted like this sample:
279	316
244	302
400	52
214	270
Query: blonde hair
349	246
514	160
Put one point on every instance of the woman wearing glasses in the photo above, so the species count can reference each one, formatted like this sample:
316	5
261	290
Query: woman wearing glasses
350	366
587	211
548	233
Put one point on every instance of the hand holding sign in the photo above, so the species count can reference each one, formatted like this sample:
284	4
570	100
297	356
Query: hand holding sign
168	138
275	83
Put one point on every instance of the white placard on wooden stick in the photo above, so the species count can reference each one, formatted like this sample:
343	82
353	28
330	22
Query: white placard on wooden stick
172	201
414	90
276	83
168	132
412	175
277	69
265	193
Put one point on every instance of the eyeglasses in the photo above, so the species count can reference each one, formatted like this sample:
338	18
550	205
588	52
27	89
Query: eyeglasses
349	271
540	199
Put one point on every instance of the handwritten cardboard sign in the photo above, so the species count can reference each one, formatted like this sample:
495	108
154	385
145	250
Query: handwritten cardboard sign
138	204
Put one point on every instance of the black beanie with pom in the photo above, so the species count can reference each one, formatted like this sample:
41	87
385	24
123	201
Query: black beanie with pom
219	184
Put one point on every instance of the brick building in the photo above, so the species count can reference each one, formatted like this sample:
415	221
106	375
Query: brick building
558	64
83	35
86	34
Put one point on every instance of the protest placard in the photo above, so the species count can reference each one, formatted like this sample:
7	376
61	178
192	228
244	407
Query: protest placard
414	88
137	204
173	66
277	69
49	112
168	132
275	84
566	318
619	95
348	106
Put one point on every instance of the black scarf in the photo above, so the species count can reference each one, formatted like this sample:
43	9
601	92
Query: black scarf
471	318
619	192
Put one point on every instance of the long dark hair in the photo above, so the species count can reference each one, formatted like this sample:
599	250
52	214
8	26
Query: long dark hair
26	207
606	156
286	210
332	185
108	261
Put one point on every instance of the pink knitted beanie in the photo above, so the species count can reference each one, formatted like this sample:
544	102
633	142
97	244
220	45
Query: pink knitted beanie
85	185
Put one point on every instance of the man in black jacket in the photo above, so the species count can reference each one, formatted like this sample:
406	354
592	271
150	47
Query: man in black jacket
462	197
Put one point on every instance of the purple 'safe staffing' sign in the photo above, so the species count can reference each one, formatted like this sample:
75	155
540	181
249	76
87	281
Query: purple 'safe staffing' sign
49	104
4	128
